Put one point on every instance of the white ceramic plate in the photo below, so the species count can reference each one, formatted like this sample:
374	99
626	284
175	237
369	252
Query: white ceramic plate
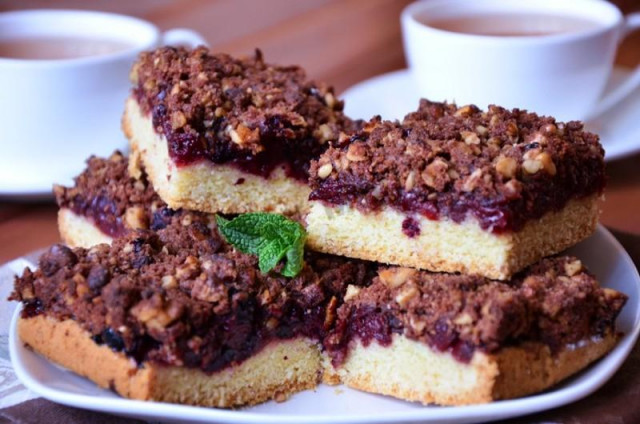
601	253
393	95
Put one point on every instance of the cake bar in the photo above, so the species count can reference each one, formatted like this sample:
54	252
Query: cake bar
219	134
456	339
179	316
160	316
457	190
108	200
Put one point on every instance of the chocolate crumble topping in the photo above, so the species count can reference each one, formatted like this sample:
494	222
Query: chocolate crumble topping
502	167
238	111
555	302
182	296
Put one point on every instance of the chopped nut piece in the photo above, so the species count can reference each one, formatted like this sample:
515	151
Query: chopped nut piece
463	319
531	166
324	133
534	161
188	269
464	111
394	277
178	120
470	137
417	325
243	136
482	130
356	153
436	174
410	181
169	282
186	220
506	166
472	181
352	291
405	295
325	170
512	129
572	268
136	218
547	163
330	100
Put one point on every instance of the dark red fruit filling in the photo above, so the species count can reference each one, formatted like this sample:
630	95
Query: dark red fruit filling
103	211
497	214
411	227
366	323
188	147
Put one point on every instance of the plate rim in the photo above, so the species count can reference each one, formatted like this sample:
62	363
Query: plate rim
491	411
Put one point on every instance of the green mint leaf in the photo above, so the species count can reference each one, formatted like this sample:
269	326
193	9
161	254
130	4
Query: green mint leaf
294	259
271	237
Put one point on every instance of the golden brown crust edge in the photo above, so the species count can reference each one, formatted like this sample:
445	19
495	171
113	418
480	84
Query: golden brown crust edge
204	186
511	373
276	372
446	246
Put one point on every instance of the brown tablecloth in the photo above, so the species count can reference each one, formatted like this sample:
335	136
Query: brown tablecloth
617	402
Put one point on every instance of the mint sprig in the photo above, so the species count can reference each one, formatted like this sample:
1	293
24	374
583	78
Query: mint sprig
271	237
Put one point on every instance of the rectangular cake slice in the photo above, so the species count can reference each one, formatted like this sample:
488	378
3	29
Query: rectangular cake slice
457	190
219	134
108	200
178	315
454	339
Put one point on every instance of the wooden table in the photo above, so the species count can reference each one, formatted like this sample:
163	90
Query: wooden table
339	41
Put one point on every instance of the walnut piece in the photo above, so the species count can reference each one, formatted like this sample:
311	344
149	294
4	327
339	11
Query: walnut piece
395	277
135	218
352	291
506	166
325	170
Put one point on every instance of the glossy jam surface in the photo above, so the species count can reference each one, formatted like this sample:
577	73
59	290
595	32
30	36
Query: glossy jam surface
369	324
103	211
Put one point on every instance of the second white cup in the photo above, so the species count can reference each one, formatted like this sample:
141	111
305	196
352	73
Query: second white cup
543	62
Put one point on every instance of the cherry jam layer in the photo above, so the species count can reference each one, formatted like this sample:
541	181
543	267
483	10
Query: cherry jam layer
103	211
497	214
369	324
185	148
234	339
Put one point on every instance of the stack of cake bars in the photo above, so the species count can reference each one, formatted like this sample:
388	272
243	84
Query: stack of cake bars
429	275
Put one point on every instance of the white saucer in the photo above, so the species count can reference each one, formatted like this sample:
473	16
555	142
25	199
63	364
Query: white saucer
31	176
394	94
601	253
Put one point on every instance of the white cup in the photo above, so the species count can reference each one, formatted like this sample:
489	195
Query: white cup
55	113
559	74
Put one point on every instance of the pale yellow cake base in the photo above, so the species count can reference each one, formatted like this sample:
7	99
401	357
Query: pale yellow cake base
412	371
205	186
277	371
78	231
444	245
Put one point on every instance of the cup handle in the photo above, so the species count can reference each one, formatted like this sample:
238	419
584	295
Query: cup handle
183	37
632	23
